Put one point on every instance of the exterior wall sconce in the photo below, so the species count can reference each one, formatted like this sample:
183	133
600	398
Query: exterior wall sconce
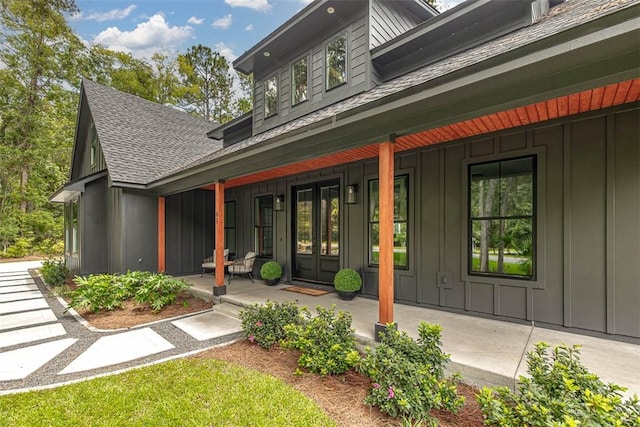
279	203
352	194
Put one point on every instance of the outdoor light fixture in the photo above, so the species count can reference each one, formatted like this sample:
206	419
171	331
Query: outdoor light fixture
330	10
352	194
266	54
279	204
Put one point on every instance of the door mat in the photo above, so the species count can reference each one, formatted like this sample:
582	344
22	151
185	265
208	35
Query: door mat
306	291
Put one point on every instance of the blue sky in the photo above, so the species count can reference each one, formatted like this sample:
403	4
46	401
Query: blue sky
142	27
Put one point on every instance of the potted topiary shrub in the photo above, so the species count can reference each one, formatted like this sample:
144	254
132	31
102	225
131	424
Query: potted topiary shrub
347	283
271	272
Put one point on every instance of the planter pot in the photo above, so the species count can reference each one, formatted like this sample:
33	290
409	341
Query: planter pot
271	282
347	295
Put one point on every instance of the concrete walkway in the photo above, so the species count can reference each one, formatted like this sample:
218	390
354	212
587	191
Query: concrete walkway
485	352
41	345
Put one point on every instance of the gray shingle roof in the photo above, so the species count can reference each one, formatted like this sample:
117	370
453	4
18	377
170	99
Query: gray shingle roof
560	18
142	140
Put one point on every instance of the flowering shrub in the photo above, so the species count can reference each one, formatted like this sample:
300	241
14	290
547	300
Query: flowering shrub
560	392
326	341
264	324
408	376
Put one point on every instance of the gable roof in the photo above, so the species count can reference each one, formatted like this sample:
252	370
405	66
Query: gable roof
560	19
142	140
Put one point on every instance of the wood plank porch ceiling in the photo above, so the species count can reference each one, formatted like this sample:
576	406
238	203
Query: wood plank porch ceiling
581	102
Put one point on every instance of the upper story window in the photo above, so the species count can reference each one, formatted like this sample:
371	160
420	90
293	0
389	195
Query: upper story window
94	146
336	68
299	81
270	97
502	223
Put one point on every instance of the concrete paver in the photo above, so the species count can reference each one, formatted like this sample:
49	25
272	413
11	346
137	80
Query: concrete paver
119	348
17	296
24	305
17	364
17	320
15	282
18	288
208	325
35	333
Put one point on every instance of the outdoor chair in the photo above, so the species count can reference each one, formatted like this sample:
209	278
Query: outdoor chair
242	266
209	263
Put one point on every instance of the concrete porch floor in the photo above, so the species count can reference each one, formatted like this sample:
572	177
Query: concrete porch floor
485	352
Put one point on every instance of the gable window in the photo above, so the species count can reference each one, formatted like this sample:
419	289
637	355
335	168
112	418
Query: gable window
270	97
336	66
230	226
502	224
400	221
299	81
93	152
263	220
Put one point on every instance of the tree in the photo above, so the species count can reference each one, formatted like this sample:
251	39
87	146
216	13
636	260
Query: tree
208	84
244	103
39	52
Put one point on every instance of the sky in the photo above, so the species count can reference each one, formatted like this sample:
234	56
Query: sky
142	27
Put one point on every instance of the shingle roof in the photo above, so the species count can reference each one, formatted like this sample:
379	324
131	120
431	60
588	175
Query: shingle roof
560	18
142	140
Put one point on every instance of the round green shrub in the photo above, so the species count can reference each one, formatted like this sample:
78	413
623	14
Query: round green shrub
347	280
270	270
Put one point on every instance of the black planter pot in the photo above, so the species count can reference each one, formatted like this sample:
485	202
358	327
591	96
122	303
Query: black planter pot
271	282
347	295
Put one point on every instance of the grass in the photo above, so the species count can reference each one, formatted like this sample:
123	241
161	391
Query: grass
509	267
187	392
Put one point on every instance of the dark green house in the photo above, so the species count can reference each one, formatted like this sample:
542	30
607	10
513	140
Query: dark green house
485	160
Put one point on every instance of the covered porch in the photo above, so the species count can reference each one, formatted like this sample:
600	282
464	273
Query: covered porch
486	352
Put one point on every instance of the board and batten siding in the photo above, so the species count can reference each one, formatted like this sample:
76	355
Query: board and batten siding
358	77
388	20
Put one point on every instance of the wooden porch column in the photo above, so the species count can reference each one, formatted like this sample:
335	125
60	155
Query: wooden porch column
385	272
219	288
161	236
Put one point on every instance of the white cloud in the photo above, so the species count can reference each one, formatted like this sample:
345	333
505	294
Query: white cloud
305	2
225	51
148	37
443	5
223	23
259	5
249	27
195	21
110	15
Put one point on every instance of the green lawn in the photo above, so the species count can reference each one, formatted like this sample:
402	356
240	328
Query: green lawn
188	392
509	268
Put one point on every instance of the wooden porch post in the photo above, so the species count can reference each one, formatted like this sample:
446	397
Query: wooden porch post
385	272
219	288
161	235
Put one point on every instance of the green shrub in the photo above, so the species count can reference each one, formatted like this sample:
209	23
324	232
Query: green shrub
107	291
264	324
54	272
270	270
560	392
347	280
20	248
408	376
326	341
159	290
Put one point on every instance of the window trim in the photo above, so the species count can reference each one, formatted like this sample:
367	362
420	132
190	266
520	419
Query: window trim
291	88
540	211
346	61
256	226
408	221
533	218
264	97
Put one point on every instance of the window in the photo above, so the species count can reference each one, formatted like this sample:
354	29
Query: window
400	221
501	206
336	62
230	226
74	227
270	97
264	226
299	81
330	220
94	147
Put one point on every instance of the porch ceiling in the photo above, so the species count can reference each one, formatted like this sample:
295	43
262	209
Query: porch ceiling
624	92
